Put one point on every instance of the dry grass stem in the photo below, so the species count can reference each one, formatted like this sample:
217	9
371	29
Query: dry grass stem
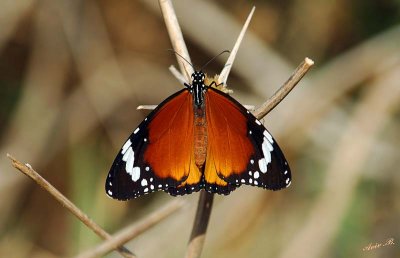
30	172
175	34
178	75
284	90
198	235
223	76
131	231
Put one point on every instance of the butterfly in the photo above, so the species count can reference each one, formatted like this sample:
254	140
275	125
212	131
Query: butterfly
198	138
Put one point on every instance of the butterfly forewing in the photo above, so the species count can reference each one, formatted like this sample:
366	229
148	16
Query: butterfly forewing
158	155
240	149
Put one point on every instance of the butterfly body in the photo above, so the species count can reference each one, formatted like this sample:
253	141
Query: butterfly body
198	138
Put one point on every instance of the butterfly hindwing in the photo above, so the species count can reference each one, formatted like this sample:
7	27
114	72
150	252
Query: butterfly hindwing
158	155
240	149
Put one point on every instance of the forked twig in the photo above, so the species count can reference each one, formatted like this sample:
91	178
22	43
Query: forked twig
196	241
30	172
206	199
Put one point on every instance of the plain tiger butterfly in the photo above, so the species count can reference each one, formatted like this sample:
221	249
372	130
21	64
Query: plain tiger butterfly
198	138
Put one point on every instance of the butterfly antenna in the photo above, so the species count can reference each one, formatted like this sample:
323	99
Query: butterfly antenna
212	59
176	53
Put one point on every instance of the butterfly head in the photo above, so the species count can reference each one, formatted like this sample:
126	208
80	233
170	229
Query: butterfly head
198	87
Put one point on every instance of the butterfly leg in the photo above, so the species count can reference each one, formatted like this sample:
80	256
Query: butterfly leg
214	83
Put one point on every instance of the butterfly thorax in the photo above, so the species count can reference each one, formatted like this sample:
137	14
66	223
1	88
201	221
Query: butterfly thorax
197	88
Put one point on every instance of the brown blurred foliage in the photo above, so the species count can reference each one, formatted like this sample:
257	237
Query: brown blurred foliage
73	72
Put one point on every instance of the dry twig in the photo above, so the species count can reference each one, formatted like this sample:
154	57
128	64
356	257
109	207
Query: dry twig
131	231
283	91
178	75
175	34
30	172
223	76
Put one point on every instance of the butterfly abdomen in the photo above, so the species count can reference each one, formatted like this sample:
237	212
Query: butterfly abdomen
200	137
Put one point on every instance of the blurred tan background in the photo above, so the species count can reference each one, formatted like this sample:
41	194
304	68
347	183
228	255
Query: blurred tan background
73	72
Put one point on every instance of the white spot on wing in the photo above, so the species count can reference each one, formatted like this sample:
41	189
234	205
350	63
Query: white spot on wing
136	174
136	130
287	181
262	163
147	168
252	161
258	122
269	137
267	149
129	157
256	175
109	192
126	146
146	190
143	182
152	187
285	172
127	154
289	184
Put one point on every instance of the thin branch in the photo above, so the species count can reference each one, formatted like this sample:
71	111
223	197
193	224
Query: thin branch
178	75
30	172
284	90
175	34
223	77
133	230
198	235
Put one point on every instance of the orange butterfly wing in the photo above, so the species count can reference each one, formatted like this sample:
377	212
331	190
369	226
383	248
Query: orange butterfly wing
240	150
159	154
